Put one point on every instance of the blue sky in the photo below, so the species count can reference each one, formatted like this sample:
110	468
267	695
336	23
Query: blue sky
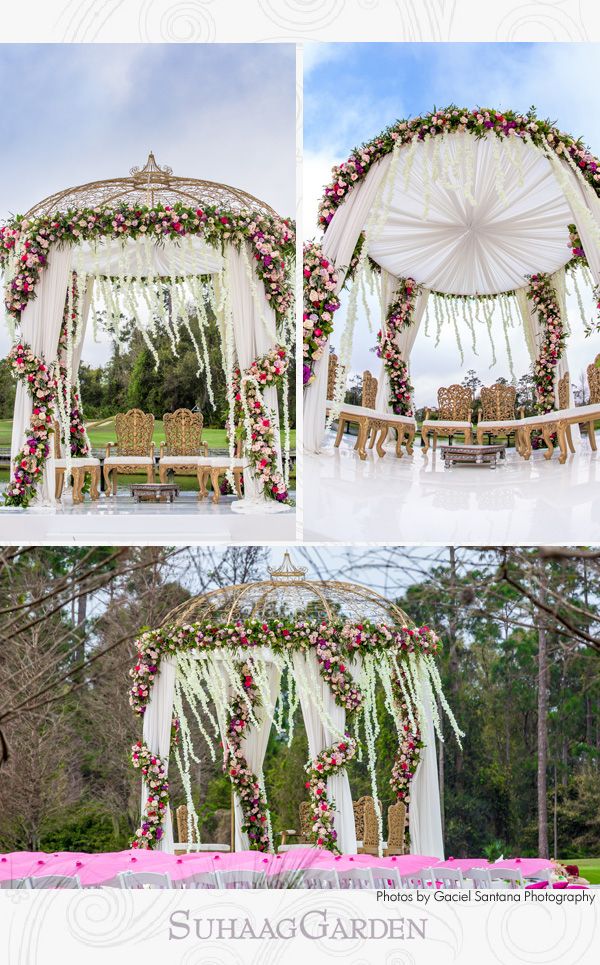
352	91
71	113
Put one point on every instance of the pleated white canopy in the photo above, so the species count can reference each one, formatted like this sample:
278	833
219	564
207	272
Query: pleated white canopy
473	216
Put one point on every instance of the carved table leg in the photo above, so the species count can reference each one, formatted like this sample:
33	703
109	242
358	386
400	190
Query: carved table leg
201	472
547	437
363	428
399	440
237	475
95	483
409	440
78	479
569	437
214	478
340	433
562	441
380	440
107	479
591	435
425	438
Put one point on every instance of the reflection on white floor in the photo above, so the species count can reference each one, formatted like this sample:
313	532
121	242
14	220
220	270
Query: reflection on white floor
417	500
122	521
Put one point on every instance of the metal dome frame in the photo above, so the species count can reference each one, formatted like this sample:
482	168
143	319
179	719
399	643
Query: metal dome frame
288	584
150	185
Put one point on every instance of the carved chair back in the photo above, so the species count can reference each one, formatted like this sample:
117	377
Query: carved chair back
183	432
56	441
369	390
182	825
564	392
454	403
134	432
498	402
331	375
365	822
593	374
305	822
397	827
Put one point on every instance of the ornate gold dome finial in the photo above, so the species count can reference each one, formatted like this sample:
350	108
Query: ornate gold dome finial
150	169
287	572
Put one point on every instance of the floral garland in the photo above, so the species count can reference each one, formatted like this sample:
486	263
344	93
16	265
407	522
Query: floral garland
399	316
408	755
25	243
29	462
329	762
154	772
320	305
247	786
78	444
543	296
479	122
257	421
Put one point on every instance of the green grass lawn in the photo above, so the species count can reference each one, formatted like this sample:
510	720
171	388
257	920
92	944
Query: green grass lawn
588	868
105	432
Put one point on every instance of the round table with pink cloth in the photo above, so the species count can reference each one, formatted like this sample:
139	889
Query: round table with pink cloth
94	870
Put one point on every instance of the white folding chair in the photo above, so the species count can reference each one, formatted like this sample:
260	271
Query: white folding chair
385	878
319	878
202	879
417	880
444	877
241	879
143	879
54	881
355	878
480	878
512	878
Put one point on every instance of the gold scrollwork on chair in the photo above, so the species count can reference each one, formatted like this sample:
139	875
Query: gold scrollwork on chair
183	437
135	448
498	402
454	403
369	390
331	375
593	374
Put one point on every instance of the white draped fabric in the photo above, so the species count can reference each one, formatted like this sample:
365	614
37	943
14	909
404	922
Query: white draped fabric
588	233
339	243
254	334
404	339
321	733
40	328
534	331
254	747
487	243
425	813
131	257
157	733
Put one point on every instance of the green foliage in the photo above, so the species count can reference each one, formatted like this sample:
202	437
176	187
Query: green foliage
86	827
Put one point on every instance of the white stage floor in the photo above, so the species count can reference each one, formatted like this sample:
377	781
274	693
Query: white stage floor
121	521
417	500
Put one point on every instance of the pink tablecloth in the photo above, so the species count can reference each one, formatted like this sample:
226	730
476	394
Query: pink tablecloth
99	869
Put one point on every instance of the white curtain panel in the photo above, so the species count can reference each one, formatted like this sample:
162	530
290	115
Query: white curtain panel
585	194
339	242
254	747
157	734
315	695
40	328
254	334
425	812
405	339
112	256
533	330
516	226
